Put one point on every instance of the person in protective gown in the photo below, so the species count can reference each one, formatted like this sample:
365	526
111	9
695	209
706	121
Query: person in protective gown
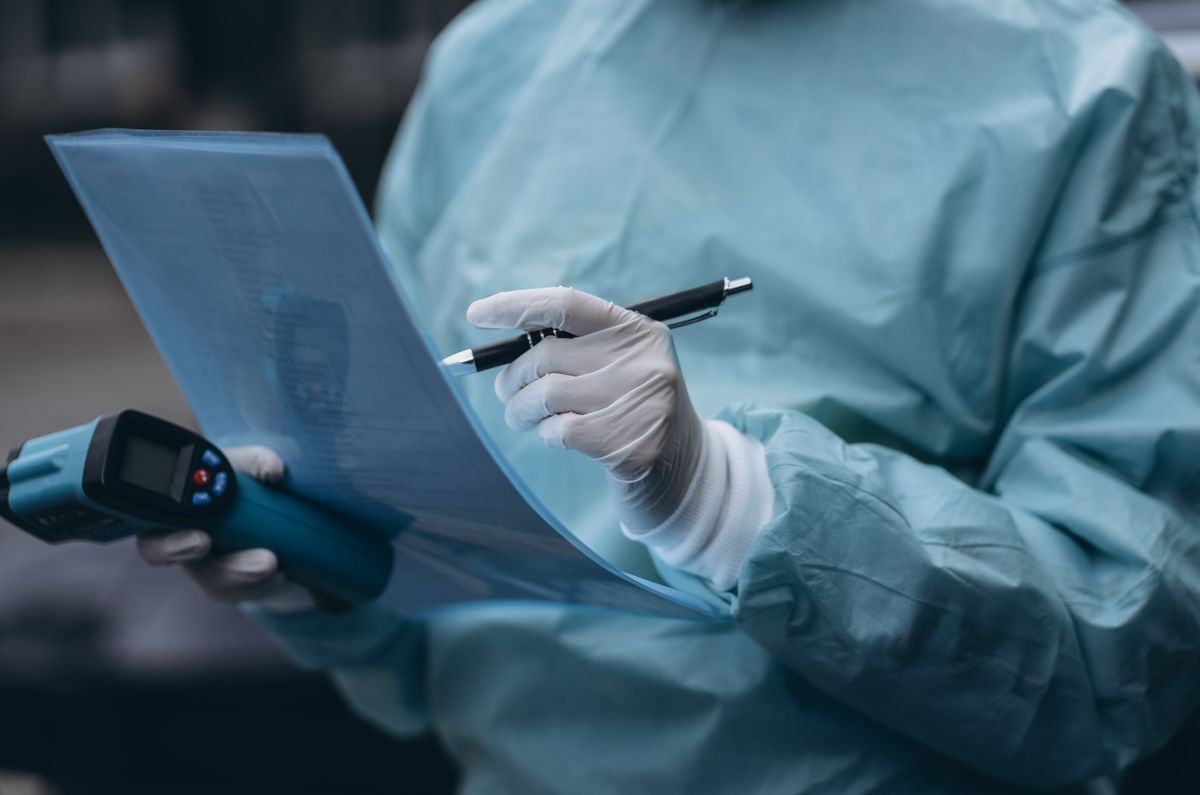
947	473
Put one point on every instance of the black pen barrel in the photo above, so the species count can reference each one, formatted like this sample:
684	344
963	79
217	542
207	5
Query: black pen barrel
501	353
684	302
666	307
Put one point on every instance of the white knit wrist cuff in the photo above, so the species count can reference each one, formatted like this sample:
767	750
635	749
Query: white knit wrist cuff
728	502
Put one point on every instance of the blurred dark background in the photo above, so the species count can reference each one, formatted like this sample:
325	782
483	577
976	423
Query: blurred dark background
346	69
114	677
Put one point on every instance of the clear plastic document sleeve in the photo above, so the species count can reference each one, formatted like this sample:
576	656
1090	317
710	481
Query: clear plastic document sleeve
257	272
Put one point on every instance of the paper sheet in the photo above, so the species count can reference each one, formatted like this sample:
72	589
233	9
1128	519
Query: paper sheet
258	274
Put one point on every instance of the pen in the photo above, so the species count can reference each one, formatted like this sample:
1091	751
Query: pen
699	302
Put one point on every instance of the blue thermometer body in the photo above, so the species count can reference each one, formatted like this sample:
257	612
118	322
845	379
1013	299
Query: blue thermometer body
130	473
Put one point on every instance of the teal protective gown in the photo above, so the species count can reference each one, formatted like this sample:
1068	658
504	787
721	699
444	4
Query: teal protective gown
972	354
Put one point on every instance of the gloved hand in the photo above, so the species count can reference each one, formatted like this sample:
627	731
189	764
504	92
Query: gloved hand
697	492
614	394
251	575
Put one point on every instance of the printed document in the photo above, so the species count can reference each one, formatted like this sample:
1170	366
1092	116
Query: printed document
257	272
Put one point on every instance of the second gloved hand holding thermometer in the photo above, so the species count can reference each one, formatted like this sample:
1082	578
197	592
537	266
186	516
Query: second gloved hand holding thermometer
697	492
251	575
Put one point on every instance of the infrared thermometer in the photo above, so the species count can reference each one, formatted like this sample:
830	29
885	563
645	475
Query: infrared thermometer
130	473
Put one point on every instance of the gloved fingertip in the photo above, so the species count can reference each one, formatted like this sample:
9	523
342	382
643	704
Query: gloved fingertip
479	313
178	547
259	462
553	430
190	545
253	562
225	584
512	420
270	469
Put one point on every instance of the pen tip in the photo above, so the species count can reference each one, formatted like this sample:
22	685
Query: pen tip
460	363
733	286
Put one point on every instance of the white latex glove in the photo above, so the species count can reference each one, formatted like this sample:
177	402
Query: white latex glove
614	394
251	575
697	492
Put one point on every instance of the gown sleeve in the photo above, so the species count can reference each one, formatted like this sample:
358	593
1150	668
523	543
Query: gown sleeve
375	657
1042	623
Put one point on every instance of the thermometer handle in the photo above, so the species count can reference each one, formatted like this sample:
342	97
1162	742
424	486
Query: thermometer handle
315	549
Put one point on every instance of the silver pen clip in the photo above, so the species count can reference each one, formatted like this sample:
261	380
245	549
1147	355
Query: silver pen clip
687	321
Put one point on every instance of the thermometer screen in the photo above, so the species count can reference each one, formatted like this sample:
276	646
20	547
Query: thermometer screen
149	464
